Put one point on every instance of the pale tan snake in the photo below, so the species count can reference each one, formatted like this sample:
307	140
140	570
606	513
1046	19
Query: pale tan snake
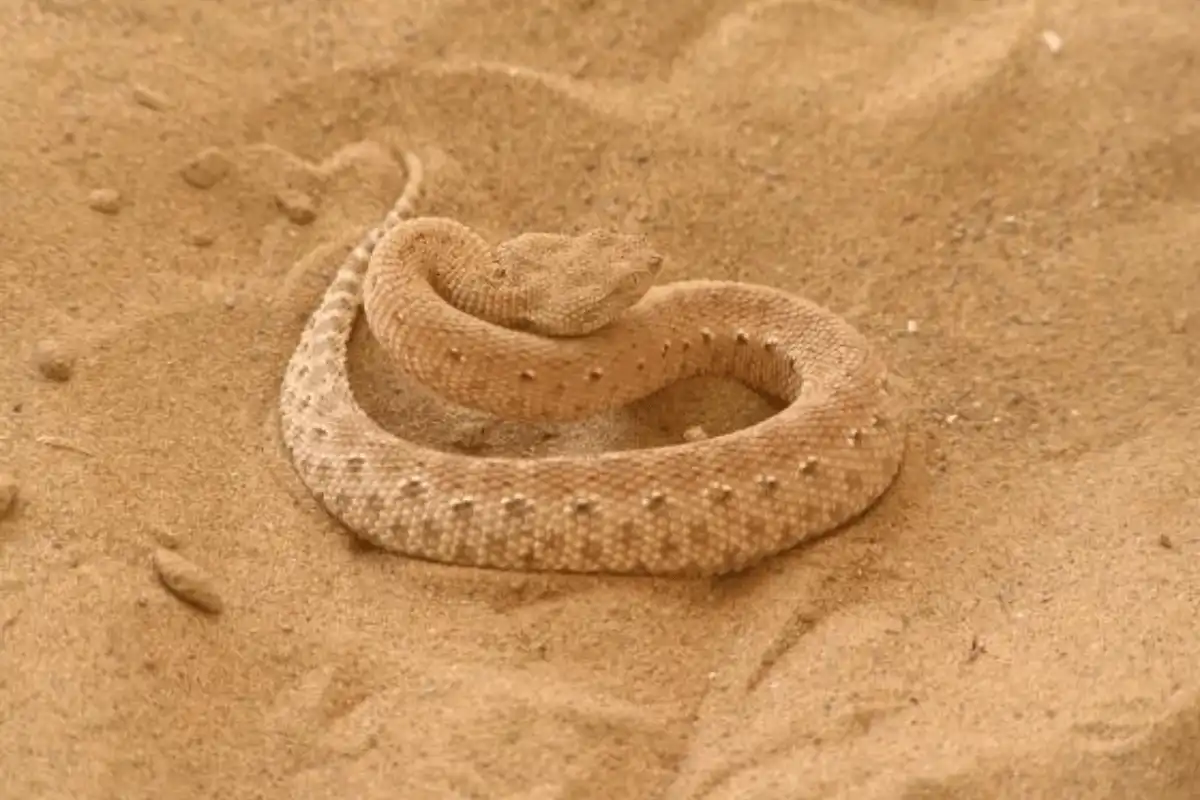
697	508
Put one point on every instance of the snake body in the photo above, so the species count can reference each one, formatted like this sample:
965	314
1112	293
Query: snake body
702	507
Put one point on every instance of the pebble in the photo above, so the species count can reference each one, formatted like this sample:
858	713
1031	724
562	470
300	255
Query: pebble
201	237
206	168
1179	321
166	537
8	493
106	201
296	206
149	98
188	581
696	433
53	361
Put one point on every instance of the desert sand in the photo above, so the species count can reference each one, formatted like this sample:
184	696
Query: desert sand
1004	197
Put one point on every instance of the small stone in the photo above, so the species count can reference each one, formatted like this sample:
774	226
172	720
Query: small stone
106	201
1179	321
911	327
1054	42
149	98
696	433
8	493
187	581
580	66
206	168
166	537
296	206
53	361
201	237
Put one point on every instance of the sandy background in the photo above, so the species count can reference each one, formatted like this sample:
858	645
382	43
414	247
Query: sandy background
1013	216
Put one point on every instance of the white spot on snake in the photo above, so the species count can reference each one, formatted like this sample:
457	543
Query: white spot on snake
768	483
718	492
515	504
413	486
581	506
655	500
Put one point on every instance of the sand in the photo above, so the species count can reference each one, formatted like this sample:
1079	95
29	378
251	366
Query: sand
1003	196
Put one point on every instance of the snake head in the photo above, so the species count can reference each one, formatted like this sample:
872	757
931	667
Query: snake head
580	283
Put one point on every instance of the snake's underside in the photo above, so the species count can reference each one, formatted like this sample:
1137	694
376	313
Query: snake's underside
698	508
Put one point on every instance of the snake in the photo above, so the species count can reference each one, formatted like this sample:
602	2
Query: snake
559	327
